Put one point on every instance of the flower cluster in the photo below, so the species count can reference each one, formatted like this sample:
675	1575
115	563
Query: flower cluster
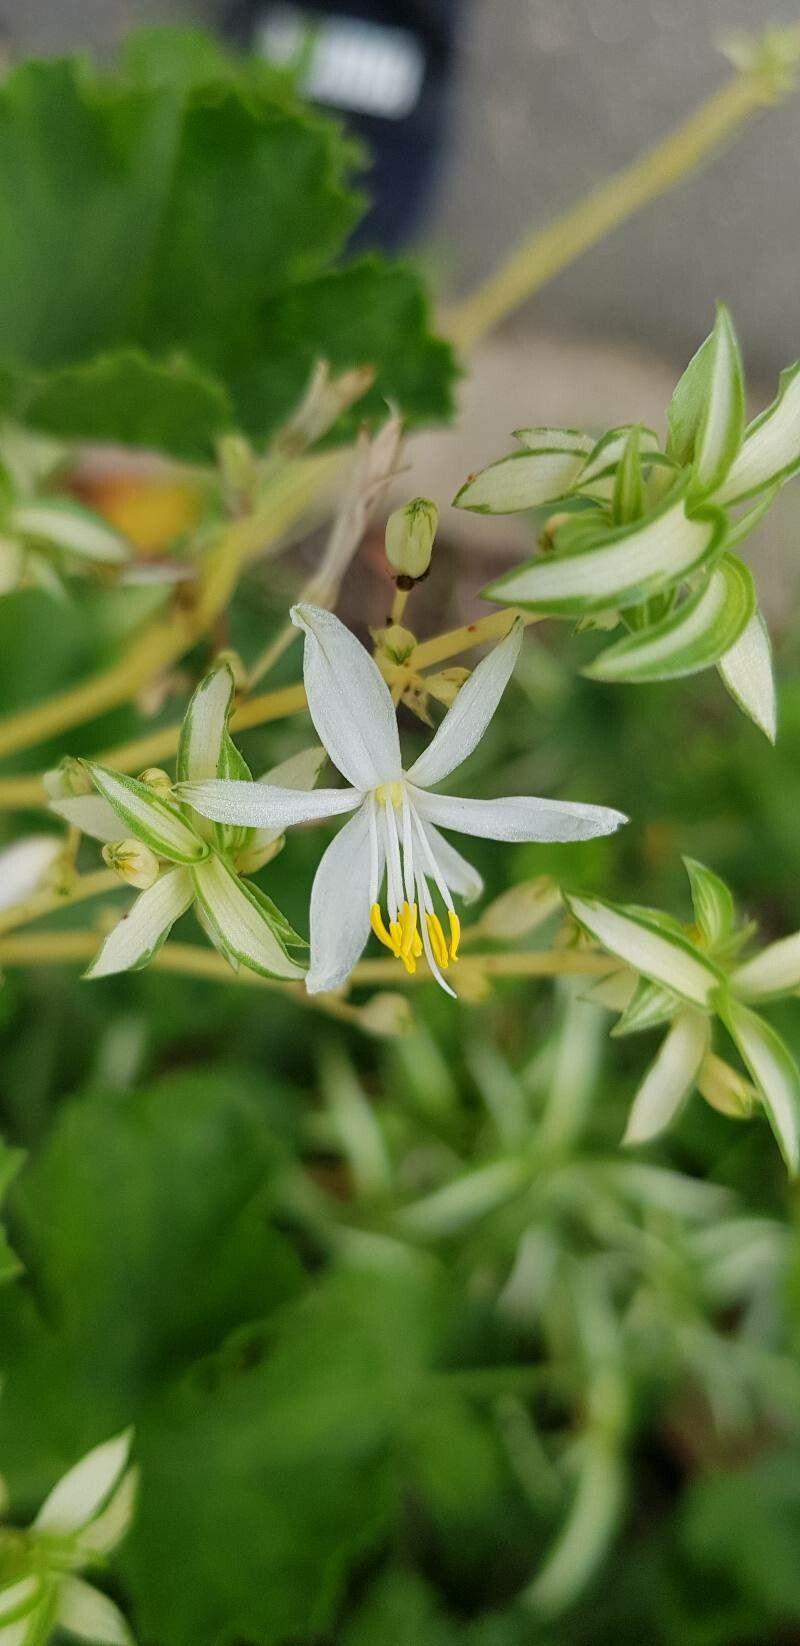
643	535
85	1517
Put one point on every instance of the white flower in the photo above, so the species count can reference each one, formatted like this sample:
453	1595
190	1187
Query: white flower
395	828
86	1515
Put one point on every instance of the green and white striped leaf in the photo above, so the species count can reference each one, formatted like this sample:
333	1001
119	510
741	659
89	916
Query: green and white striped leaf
774	1071
746	672
524	480
628	503
141	932
739	530
620	567
241	919
721	425
606	454
693	636
651	1006
660	955
712	900
150	818
669	1078
773	972
770	451
202	739
687	406
562	440
86	1614
66	525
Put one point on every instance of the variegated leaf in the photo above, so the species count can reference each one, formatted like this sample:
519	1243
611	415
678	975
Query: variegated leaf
712	900
66	525
656	953
770	451
693	636
524	480
244	921
141	932
746	672
146	815
774	1071
670	1077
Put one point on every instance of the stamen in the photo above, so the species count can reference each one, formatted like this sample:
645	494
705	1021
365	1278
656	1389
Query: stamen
438	941
455	933
408	922
384	937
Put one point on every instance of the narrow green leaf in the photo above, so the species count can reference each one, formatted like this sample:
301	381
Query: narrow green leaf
686	408
660	955
693	636
770	451
628	499
65	525
141	932
524	480
721	426
774	1071
546	439
620	567
712	900
773	972
150	818
242	920
746	672
670	1077
651	1006
606	454
739	530
200	750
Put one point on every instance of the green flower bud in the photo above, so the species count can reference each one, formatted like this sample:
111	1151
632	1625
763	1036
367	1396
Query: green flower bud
68	778
410	532
157	779
134	862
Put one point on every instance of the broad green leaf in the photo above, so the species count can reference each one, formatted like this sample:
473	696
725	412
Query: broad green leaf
746	671
670	1077
628	496
713	904
561	440
202	739
774	1071
693	636
63	524
770	451
130	397
772	972
621	567
660	955
524	480
606	453
140	933
650	1006
150	818
243	921
721	425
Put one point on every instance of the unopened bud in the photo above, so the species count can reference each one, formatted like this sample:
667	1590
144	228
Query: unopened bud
386	1015
521	909
725	1089
410	532
547	535
68	778
322	405
395	642
235	664
446	686
157	779
134	862
253	857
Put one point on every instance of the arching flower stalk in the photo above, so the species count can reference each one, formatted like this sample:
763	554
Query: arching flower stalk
394	835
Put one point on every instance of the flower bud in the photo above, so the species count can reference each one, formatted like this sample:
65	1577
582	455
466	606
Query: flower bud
235	664
410	532
322	405
446	686
67	779
386	1015
252	857
521	909
134	862
725	1089
395	642
157	779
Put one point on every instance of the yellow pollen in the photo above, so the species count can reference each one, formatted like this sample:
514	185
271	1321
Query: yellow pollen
408	922
438	941
455	933
390	794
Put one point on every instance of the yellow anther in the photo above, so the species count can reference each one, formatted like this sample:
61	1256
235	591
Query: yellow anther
396	934
455	933
438	941
376	922
390	794
416	947
408	922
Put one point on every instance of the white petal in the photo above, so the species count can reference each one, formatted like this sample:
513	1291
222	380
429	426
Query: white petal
662	957
80	1494
465	723
349	700
204	726
111	1525
747	672
518	817
459	874
776	970
670	1078
300	771
92	815
241	925
24	865
85	1612
142	930
340	906
262	806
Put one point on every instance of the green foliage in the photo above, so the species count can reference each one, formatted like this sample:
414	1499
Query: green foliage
164	225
